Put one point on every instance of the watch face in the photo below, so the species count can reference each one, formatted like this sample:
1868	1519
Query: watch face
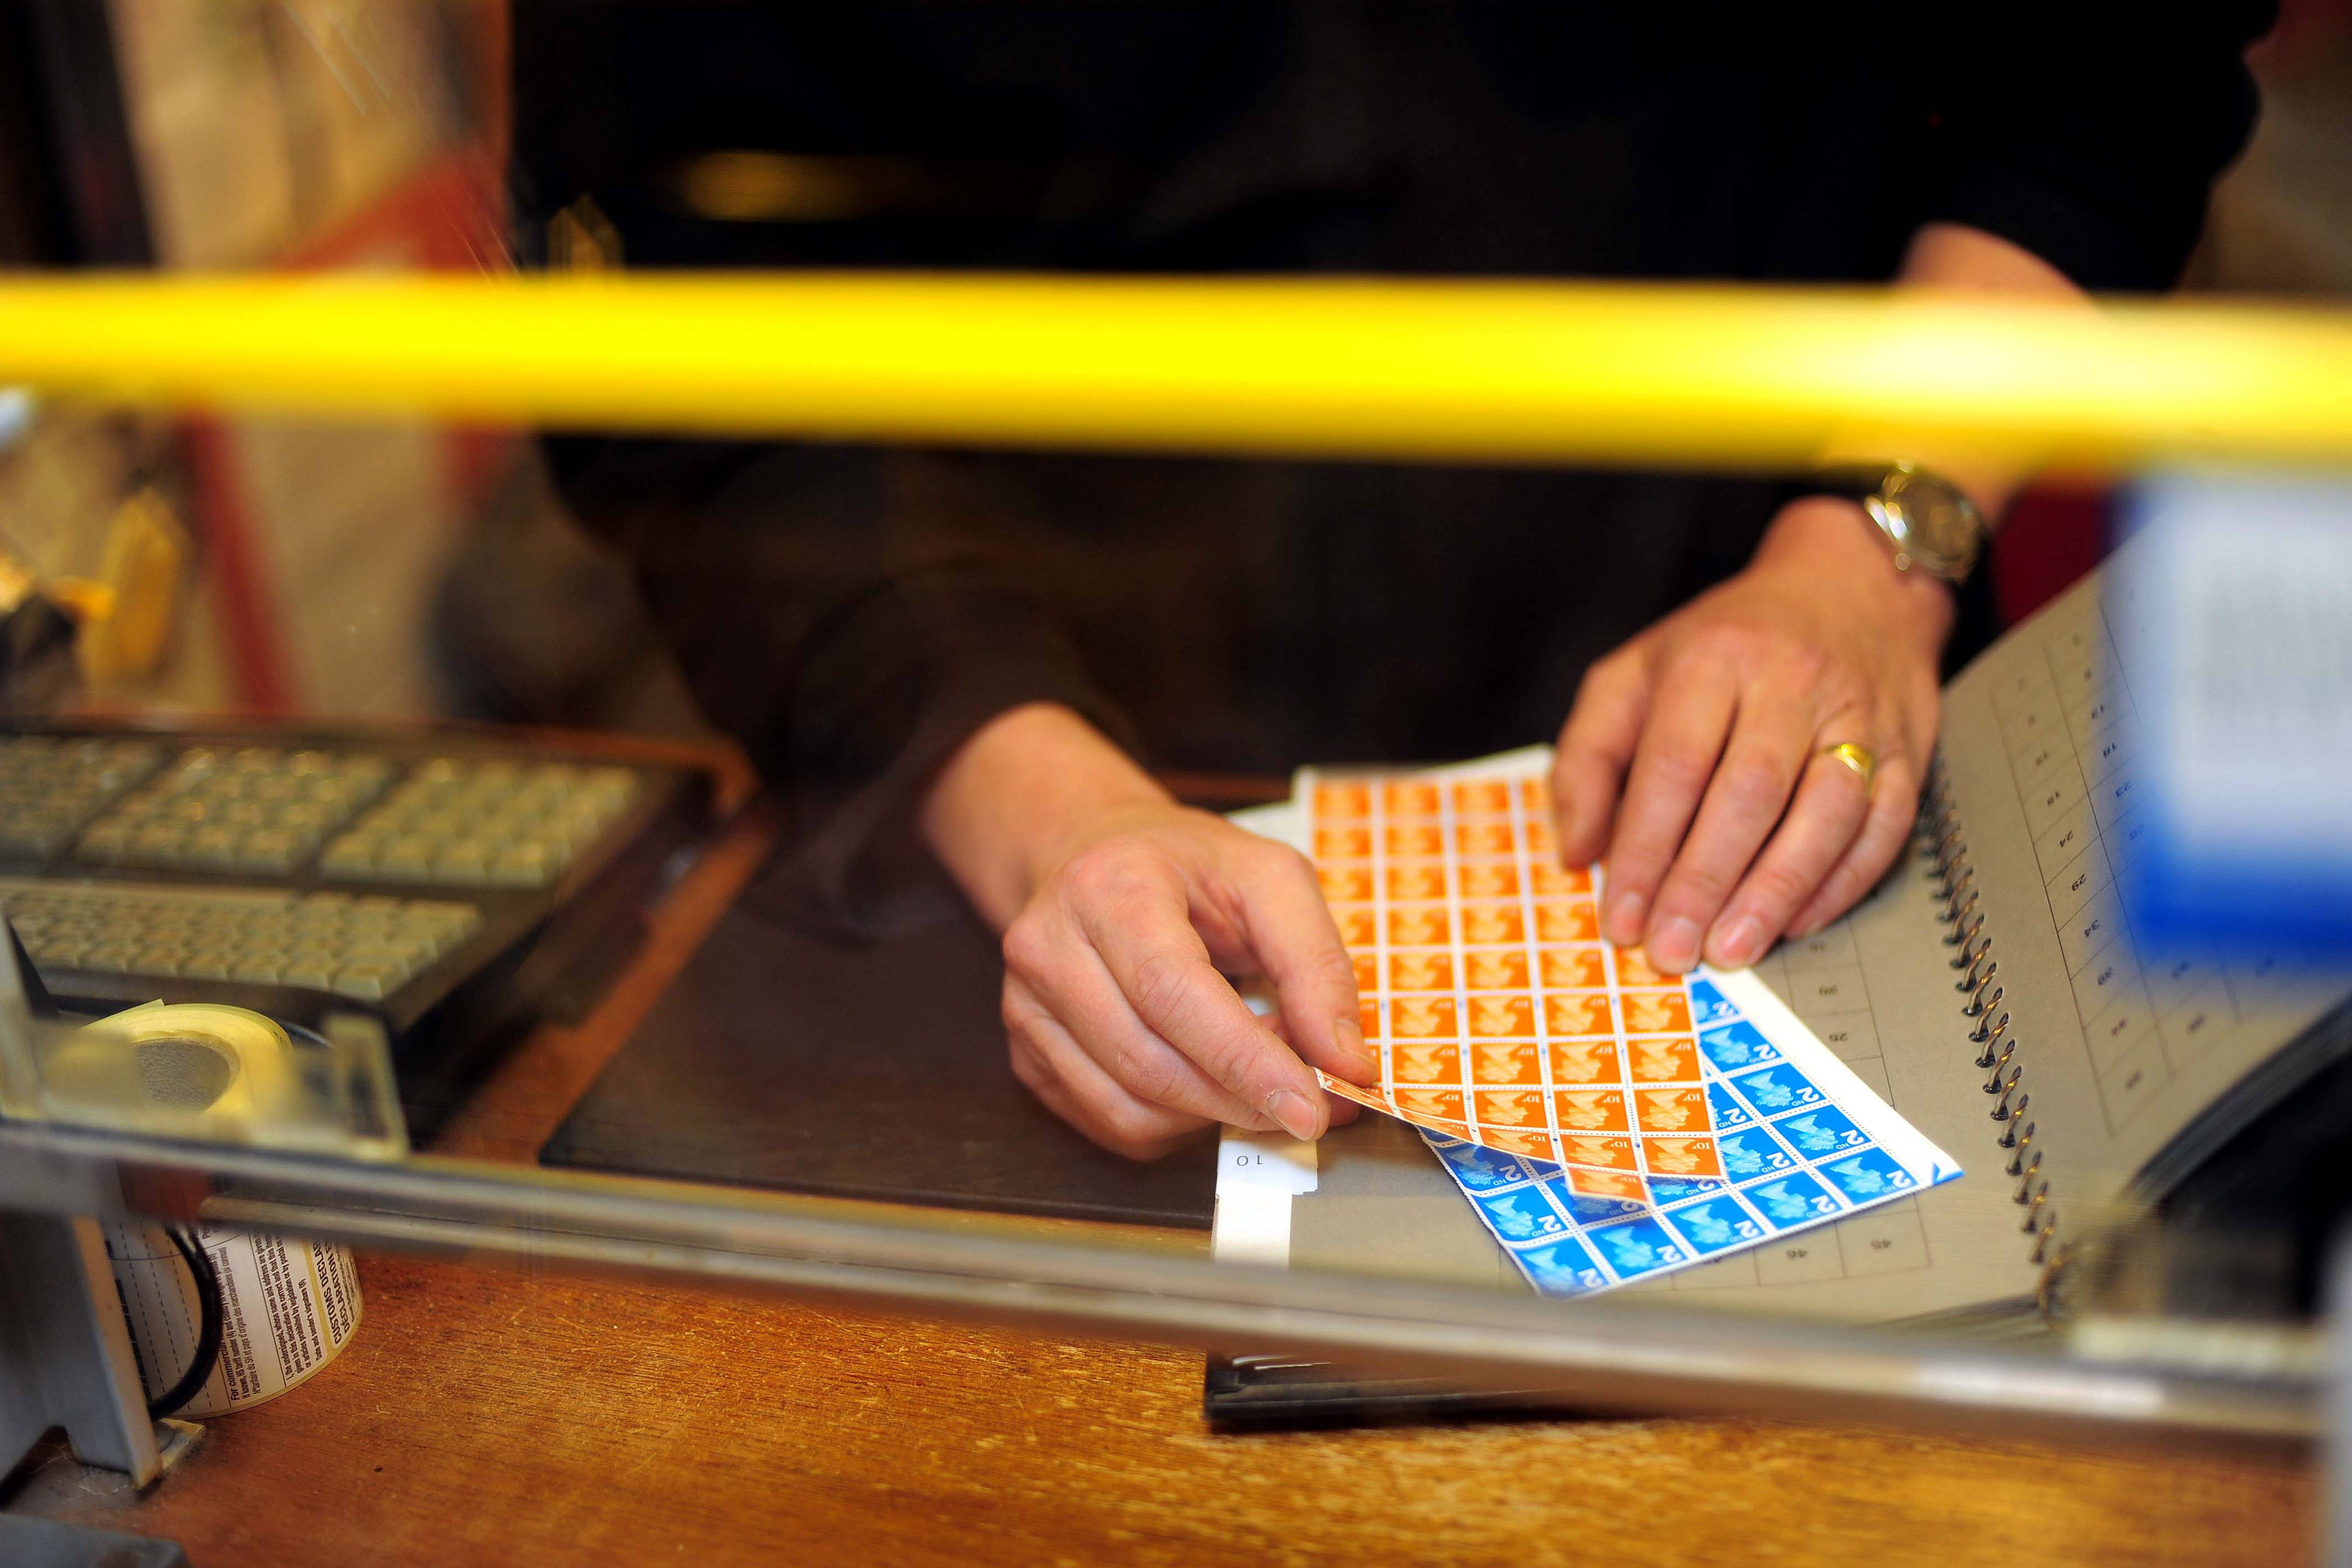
1939	526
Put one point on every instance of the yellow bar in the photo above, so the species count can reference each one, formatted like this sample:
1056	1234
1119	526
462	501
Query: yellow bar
1436	370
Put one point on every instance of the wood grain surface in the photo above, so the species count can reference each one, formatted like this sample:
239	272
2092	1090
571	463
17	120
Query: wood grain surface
482	1415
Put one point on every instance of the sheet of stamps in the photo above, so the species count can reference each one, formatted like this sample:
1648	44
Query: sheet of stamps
1501	1018
1802	1142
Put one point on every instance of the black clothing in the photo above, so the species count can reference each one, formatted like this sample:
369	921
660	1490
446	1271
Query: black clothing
852	613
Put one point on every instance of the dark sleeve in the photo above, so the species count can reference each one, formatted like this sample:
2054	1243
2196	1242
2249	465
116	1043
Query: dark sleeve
830	615
2090	132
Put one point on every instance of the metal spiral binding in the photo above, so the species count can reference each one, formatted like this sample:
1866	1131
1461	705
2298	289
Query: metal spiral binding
1953	886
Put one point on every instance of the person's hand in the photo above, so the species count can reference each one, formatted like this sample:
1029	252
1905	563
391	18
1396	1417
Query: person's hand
1692	759
1122	913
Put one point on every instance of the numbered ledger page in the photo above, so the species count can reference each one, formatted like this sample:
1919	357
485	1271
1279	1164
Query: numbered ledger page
2120	1051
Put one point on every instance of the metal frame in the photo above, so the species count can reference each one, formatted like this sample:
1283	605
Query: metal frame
1617	1355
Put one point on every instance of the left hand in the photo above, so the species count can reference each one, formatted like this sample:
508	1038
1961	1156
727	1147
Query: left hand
1691	761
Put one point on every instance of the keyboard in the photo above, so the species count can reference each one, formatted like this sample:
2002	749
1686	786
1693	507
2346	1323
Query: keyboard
451	884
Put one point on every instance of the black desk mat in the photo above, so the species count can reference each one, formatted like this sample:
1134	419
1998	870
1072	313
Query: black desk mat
781	1059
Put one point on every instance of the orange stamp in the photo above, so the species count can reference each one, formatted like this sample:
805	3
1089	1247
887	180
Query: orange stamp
1416	840
1540	838
1423	1018
1567	920
1552	879
1572	969
1483	837
1489	923
1368	1018
1502	1016
1425	1061
1420	971
1606	1185
1408	798
1490	879
1413	880
1420	925
1430	1102
1585	1061
1683	1157
1358	926
1591	1148
1355	1092
1589	1109
1671	1110
1482	797
1343	842
1504	1062
1536	796
1578	1013
1345	882
1634	968
1534	1142
1367	971
1510	1108
1664	1061
1657	1013
1496	969
1349	797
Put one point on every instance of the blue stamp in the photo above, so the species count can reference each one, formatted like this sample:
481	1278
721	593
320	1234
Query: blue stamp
1778	1088
1480	1169
1708	1008
1714	1225
1638	1247
1751	1154
1869	1175
1561	1268
1791	1200
1737	1044
1729	1112
1520	1214
1822	1130
1586	1210
1681	1189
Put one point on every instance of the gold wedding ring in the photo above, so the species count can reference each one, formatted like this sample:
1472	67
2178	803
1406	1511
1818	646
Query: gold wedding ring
1861	759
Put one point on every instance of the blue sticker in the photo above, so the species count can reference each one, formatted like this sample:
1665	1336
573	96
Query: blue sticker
1715	1225
1562	1268
1777	1088
1869	1175
1708	1007
1481	1169
1737	1044
1521	1214
1729	1112
1791	1200
1638	1247
1752	1154
1820	1132
1681	1189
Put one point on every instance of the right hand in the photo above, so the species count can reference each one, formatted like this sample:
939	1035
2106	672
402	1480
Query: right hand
1122	913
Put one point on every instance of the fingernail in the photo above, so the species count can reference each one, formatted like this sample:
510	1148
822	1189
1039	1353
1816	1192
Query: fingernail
1675	947
1736	948
1359	1057
1624	921
1289	1108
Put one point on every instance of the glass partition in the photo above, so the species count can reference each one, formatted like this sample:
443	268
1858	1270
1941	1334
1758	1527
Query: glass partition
1238	813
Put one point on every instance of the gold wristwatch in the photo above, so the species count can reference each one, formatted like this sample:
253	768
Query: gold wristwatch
1928	521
